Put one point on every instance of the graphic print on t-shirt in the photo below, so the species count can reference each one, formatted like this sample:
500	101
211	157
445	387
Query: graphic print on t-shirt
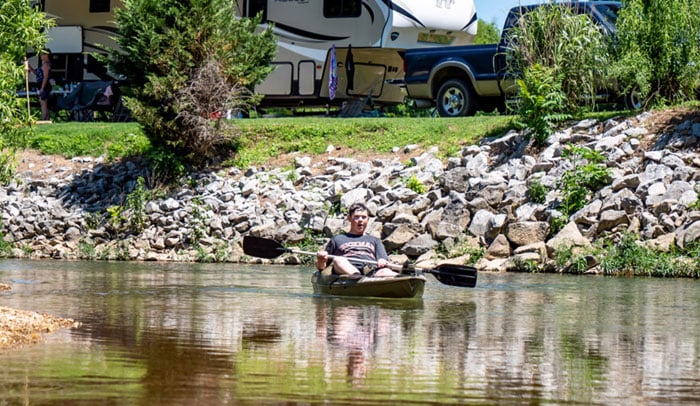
360	249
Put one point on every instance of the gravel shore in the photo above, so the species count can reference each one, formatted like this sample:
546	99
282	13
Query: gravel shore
19	327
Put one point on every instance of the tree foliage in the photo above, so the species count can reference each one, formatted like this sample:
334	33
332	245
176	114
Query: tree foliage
22	27
487	33
658	50
571	45
188	62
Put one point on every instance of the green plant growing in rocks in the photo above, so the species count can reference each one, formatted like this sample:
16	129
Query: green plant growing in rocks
625	256
196	222
201	254
449	151
311	243
696	204
589	174
5	246
415	184
217	254
292	175
92	220
122	253
541	102
104	254
462	248
136	203
220	251
562	256
525	265
568	260
116	217
165	166
537	192
86	250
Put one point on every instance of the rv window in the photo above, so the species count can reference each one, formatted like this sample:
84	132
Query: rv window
342	8
99	6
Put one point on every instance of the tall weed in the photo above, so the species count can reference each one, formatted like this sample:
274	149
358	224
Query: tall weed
542	102
570	46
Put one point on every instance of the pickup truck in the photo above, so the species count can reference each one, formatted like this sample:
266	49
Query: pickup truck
460	80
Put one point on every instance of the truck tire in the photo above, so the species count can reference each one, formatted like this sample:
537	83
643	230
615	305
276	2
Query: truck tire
455	98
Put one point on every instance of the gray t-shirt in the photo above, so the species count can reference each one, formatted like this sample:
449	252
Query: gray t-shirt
364	246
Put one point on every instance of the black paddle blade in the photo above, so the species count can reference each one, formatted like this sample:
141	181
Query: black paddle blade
262	247
455	275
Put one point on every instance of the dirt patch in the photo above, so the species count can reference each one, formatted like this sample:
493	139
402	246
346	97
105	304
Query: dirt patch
35	165
666	120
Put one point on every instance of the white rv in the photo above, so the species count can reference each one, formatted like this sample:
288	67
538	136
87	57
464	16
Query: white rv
371	33
83	27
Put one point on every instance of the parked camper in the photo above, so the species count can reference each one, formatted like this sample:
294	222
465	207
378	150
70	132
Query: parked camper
367	36
82	29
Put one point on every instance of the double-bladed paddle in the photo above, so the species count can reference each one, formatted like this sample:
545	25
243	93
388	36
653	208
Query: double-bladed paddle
449	274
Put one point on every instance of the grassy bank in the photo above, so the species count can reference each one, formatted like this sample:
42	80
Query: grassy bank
264	139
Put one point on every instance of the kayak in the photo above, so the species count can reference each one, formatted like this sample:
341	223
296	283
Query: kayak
402	286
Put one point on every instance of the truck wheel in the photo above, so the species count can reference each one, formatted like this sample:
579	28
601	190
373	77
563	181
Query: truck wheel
454	99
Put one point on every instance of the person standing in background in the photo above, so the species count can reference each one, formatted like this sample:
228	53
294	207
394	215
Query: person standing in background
42	73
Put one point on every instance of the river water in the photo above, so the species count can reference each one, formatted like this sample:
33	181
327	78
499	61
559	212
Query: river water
168	334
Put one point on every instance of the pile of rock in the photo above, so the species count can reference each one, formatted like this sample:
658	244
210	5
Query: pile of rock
480	197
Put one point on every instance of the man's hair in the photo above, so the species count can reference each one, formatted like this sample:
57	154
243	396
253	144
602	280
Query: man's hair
357	207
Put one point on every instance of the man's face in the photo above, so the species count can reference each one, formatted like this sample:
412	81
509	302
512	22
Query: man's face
358	222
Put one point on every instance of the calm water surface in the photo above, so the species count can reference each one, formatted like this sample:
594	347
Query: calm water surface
157	333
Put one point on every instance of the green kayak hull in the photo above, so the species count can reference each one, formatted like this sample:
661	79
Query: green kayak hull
402	286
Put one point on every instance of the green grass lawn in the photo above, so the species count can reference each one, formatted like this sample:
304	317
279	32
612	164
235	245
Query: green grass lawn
113	140
267	138
262	139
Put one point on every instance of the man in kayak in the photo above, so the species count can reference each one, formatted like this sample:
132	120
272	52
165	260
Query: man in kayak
355	244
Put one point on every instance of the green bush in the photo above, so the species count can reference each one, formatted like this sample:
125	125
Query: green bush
628	257
541	102
588	175
537	192
414	184
189	62
658	48
487	33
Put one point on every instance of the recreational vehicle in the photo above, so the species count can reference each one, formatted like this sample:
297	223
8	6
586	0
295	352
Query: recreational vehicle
328	50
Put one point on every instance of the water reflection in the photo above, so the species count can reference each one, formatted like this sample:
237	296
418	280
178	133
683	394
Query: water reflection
217	334
354	327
